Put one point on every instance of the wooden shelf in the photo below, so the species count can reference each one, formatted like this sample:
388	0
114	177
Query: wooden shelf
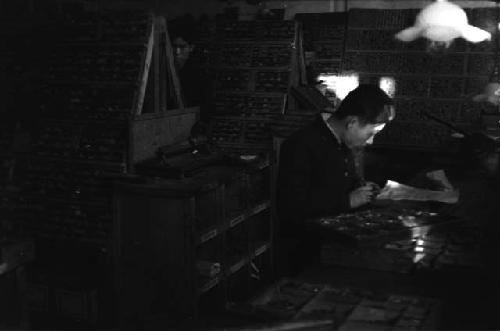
206	236
262	249
251	212
234	221
233	269
237	266
210	284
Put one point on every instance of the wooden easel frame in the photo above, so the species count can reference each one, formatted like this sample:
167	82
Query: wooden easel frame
165	77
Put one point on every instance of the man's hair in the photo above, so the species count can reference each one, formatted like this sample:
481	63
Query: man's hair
369	103
183	27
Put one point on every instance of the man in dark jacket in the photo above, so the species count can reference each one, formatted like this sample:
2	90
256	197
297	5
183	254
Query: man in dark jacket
317	170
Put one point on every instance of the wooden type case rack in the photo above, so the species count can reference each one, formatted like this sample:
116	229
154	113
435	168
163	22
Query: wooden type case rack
192	246
110	97
104	107
256	64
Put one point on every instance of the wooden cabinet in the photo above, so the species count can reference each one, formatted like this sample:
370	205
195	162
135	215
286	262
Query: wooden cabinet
192	246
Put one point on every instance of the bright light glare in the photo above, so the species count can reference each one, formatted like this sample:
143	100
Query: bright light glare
418	257
340	84
391	183
378	128
388	84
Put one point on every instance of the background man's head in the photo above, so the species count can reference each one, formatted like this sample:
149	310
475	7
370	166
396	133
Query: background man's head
182	49
364	112
182	31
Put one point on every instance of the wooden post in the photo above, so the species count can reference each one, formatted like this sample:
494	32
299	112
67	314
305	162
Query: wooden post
173	71
139	97
157	67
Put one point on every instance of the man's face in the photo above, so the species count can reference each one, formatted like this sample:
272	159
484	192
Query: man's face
359	135
182	49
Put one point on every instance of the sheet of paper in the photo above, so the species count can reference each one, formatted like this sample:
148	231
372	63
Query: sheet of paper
396	191
439	176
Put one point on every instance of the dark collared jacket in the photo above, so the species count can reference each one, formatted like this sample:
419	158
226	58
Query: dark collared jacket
316	174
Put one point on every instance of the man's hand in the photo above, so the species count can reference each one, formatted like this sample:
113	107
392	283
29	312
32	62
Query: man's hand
375	189
363	195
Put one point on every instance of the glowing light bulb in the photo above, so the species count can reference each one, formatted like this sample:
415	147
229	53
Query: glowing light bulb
442	22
